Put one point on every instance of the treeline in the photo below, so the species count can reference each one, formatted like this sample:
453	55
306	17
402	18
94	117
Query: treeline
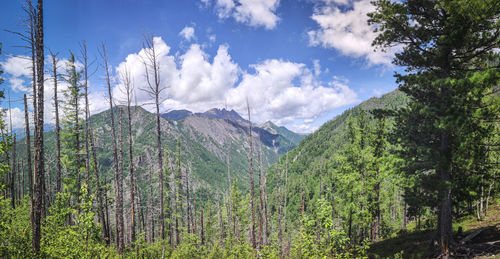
424	157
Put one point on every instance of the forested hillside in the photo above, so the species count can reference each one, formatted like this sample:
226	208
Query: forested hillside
410	174
311	166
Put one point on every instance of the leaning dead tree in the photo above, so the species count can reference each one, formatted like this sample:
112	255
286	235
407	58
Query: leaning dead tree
118	177
155	89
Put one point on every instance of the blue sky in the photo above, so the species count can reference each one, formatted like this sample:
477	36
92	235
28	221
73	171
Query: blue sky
299	62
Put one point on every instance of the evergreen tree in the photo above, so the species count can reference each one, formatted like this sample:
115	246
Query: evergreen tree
72	127
448	49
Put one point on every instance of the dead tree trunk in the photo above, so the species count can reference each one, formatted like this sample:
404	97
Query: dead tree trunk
178	189
188	203
267	222
152	66
252	189
195	229
230	185
261	207
83	50
106	204
12	163
129	88
101	209
39	175
118	176
221	224
28	147
58	127
285	193
13	170
22	179
120	160
280	214
170	200
150	209
202	230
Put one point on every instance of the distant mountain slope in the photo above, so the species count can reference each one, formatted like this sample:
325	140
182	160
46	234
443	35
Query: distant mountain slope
205	141
280	138
307	161
176	115
275	129
222	114
212	113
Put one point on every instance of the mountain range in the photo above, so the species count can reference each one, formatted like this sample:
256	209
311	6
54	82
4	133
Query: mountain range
205	138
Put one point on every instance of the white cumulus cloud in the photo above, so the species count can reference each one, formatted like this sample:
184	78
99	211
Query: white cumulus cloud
187	33
347	30
17	66
255	13
277	90
283	91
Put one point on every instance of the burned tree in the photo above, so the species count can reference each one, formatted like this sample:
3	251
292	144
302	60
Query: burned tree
118	176
154	89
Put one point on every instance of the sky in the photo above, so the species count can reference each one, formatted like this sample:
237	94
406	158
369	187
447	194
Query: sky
299	63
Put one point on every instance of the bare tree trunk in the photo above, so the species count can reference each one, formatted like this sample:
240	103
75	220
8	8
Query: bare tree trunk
488	197
230	185
28	147
150	209
280	215
129	88
58	128
285	194
169	201
118	176
195	229
252	189
7	159
178	189
22	183
188	202
481	201
151	64
108	227
13	170
202	230
12	164
405	218
39	176
120	162
101	209
19	186
83	50
142	222
221	224
261	207
267	221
